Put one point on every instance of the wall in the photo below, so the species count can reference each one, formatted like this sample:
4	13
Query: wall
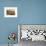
29	12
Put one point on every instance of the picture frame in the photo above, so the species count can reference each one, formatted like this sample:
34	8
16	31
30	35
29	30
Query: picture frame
10	12
39	28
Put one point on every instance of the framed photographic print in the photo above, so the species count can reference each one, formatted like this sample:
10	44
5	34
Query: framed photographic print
33	32
10	12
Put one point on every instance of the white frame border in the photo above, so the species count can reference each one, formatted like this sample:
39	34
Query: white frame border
18	33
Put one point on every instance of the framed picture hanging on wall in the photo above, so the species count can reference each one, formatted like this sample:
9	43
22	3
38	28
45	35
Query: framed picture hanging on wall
10	12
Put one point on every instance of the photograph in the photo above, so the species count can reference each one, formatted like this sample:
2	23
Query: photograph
10	11
31	33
